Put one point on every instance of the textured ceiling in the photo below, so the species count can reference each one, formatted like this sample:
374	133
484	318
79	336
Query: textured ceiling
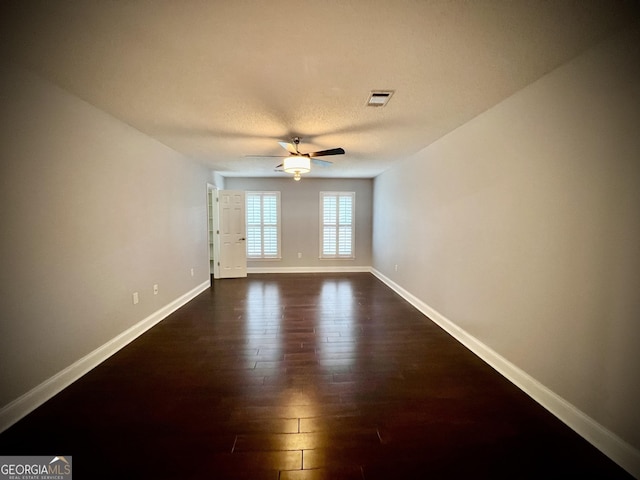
220	80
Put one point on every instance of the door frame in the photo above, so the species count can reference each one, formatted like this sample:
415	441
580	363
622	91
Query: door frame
213	229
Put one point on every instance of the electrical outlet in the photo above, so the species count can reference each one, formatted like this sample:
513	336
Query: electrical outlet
136	299
299	254
155	289
396	267
192	272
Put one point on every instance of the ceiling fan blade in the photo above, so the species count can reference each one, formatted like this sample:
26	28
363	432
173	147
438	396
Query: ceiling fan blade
288	147
279	166
331	151
322	163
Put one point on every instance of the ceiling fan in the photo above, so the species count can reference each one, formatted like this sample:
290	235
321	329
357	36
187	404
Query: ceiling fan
298	163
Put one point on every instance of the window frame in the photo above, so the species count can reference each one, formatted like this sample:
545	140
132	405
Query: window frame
338	256
262	194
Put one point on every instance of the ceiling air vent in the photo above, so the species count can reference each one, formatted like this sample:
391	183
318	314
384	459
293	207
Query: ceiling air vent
379	98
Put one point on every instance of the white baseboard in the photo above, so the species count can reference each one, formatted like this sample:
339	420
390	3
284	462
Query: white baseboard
606	441
338	269
25	404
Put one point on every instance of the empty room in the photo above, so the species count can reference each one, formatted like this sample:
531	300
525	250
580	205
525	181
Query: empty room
320	240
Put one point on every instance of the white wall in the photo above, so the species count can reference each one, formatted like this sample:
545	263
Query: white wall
92	210
522	228
300	210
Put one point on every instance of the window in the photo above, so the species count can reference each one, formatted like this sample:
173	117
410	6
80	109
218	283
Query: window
263	225
336	224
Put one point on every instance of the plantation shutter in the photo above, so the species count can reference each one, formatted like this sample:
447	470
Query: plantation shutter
337	224
263	225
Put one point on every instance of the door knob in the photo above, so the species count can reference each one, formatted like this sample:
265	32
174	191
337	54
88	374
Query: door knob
242	239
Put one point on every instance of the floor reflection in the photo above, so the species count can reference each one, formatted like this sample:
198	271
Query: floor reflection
263	306
263	314
337	325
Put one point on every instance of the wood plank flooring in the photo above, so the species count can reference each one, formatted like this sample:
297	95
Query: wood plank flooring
308	376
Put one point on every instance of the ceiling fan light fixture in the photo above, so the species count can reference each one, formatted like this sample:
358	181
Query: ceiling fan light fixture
297	164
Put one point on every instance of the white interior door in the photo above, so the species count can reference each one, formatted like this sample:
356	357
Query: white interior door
233	250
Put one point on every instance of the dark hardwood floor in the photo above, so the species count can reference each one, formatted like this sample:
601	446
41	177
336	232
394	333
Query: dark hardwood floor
301	377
